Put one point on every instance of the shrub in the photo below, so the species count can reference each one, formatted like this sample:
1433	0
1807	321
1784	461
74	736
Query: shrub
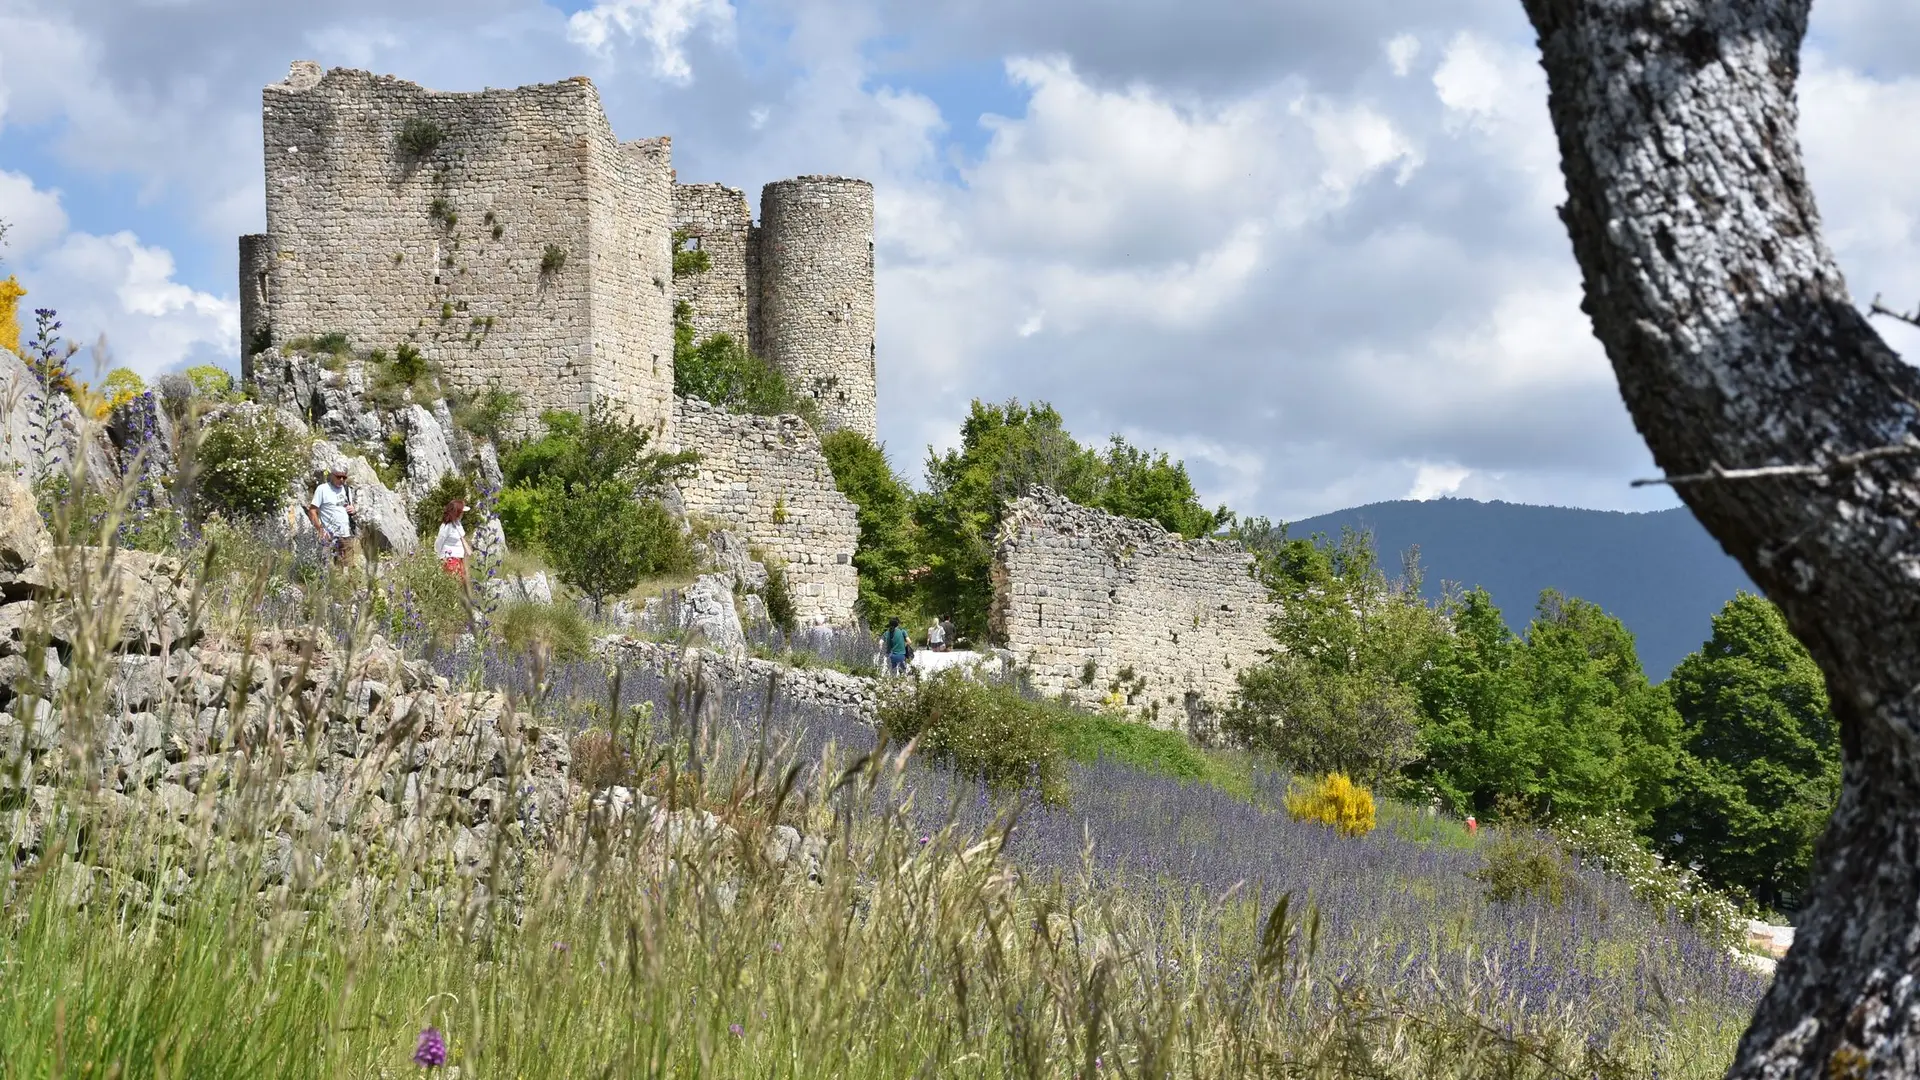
426	513
602	759
419	138
1334	800
722	372
602	540
779	597
210	382
988	732
1608	843
490	415
552	260
1527	865
559	630
688	260
418	597
246	463
10	294
1318	720
522	513
121	387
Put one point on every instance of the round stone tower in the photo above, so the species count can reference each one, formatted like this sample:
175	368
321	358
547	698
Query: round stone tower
815	248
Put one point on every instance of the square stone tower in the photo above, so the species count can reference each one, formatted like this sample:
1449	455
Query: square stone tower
506	234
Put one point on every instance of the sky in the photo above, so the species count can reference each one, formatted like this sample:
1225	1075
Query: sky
1308	247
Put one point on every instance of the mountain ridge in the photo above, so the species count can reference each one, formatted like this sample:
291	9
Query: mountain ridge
1659	572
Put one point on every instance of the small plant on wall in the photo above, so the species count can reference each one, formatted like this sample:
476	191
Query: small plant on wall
419	138
552	260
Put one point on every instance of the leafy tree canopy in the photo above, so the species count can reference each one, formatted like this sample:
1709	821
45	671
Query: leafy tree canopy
889	550
1759	769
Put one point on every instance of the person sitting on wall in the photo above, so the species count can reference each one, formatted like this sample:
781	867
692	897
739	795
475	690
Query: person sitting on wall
937	637
894	644
451	544
332	510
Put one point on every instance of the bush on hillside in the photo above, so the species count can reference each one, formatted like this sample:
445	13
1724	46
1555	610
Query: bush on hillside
1317	720
432	505
888	551
212	383
559	631
1609	844
1523	865
1334	800
418	598
246	463
721	371
602	541
987	732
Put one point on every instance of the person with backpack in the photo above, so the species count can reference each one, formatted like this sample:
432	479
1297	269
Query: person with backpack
332	511
895	644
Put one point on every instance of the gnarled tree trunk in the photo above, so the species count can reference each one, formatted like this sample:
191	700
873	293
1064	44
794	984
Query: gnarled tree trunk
1737	348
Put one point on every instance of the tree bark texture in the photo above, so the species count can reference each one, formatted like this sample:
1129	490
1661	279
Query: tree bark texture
1736	347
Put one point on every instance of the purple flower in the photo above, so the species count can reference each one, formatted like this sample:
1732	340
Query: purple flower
925	840
432	1051
736	1031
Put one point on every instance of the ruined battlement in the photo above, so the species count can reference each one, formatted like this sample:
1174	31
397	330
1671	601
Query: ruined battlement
797	287
506	234
1119	612
512	239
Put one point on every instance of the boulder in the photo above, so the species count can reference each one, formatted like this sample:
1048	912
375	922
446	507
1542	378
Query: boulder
37	432
729	556
429	458
24	542
707	612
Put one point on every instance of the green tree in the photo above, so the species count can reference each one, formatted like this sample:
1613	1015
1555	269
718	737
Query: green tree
1759	770
1142	484
720	371
602	540
1562	720
1319	721
889	550
1005	451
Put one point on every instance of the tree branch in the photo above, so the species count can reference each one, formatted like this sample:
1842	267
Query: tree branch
1910	317
1908	446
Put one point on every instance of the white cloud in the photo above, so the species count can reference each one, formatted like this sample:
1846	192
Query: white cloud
1402	51
1433	481
114	286
665	25
1497	92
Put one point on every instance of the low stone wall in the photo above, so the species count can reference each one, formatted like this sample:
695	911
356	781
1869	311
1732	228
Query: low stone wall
746	676
1121	612
765	479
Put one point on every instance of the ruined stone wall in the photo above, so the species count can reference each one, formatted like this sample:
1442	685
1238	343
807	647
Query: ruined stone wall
816	318
524	244
256	264
764	478
1166	623
715	219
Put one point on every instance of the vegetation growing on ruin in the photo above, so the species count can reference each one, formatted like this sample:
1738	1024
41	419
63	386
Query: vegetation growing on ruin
420	137
688	260
586	493
720	371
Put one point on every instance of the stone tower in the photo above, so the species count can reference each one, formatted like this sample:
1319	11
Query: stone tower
816	304
506	235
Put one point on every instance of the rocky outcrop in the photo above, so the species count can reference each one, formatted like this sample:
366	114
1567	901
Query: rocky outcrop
39	431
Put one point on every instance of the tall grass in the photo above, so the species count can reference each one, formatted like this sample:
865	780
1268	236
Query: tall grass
1148	928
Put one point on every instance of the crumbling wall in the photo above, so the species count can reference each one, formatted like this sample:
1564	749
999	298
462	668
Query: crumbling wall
724	297
765	478
506	234
1119	611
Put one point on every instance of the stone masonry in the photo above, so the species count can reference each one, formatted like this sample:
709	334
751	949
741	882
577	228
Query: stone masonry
765	478
1119	611
506	234
797	288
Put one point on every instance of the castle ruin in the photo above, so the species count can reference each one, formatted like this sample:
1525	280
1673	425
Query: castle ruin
513	240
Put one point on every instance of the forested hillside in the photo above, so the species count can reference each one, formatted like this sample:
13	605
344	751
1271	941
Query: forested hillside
1659	573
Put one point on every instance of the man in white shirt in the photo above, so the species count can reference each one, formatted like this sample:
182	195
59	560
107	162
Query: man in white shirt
331	512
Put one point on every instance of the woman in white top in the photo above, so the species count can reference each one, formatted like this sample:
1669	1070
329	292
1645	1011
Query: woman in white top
451	544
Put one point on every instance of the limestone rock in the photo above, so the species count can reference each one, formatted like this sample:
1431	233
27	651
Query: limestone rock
24	542
728	553
707	612
429	458
26	449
